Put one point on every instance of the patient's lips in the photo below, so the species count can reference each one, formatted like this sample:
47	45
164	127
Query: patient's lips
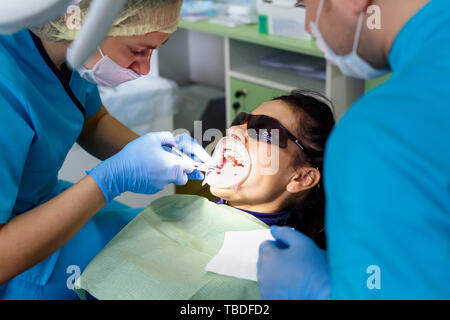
233	161
229	157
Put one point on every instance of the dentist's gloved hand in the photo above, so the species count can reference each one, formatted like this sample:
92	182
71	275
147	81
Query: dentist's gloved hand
191	147
143	166
292	268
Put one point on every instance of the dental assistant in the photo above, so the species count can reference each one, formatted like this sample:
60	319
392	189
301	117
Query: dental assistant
387	168
50	230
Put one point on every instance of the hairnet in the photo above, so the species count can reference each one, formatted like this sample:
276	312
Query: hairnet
138	17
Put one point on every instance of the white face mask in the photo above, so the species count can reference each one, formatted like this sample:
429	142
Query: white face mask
107	73
351	65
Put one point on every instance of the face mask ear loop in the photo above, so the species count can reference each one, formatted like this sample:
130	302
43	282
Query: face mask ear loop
358	32
319	12
101	52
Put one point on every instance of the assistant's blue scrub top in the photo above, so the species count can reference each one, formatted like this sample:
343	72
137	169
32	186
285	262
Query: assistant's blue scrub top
41	116
387	174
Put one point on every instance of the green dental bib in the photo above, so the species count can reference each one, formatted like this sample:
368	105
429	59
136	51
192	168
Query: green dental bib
162	254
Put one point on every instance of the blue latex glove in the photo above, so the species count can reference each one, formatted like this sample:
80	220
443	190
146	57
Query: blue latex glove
143	166
292	268
191	147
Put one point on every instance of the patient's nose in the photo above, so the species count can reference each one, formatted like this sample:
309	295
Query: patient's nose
239	132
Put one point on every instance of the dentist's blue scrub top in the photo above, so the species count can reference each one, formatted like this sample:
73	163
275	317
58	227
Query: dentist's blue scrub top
41	116
387	174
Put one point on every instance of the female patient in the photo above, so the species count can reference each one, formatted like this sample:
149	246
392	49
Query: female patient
163	252
292	195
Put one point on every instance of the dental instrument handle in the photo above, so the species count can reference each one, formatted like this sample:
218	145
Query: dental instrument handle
198	165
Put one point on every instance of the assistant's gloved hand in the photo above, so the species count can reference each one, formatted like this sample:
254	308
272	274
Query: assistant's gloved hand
143	166
191	147
292	268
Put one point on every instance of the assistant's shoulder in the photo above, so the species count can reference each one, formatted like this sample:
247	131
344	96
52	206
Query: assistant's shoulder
405	100
13	53
13	104
405	119
8	48
360	117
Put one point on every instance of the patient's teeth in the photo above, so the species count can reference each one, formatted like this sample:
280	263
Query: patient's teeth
234	162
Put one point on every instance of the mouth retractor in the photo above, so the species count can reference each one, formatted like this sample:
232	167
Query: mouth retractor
233	162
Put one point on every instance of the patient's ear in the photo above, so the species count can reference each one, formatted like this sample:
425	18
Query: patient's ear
304	179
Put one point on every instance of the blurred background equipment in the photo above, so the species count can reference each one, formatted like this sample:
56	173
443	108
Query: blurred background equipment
138	104
231	13
194	10
204	104
282	18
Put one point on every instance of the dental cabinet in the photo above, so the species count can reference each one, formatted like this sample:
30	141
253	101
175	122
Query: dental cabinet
229	58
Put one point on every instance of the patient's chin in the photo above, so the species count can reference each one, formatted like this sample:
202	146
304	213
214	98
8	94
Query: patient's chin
228	194
224	193
238	191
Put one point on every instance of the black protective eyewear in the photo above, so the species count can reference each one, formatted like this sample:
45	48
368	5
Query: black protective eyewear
262	128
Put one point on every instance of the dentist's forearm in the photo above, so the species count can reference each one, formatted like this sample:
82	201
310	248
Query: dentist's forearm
35	235
103	135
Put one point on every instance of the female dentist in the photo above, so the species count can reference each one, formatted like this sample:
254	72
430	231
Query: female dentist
387	168
49	230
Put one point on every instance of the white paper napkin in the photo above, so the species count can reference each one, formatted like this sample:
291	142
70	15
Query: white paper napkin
239	254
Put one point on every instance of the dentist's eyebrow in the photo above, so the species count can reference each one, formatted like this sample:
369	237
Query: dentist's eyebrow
152	47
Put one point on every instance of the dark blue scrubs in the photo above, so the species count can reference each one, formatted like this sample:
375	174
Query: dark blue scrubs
271	219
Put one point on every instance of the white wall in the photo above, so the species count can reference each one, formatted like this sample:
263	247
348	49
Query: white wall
193	57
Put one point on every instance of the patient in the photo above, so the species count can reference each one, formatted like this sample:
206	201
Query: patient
163	252
293	195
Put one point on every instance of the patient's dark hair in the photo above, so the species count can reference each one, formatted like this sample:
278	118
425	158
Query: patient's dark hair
316	120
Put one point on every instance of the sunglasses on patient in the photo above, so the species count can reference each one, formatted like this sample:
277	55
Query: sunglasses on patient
263	128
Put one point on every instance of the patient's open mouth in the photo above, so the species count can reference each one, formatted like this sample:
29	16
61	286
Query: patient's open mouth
233	162
229	158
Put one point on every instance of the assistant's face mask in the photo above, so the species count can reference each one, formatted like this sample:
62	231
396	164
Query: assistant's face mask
107	73
351	65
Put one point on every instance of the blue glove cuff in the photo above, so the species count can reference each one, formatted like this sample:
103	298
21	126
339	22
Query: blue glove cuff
105	181
196	175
